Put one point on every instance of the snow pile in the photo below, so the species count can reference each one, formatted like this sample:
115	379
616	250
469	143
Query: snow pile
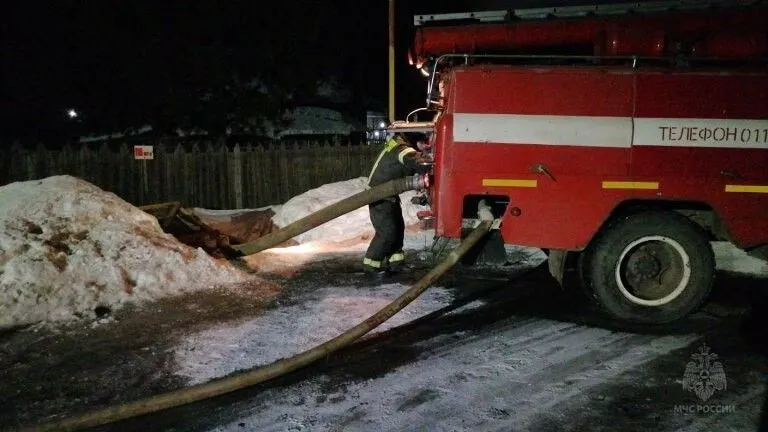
732	259
68	248
350	225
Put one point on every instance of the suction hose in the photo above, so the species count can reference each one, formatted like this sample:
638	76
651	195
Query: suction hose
273	370
390	188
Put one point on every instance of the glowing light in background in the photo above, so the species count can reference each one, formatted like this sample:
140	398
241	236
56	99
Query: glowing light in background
299	249
72	113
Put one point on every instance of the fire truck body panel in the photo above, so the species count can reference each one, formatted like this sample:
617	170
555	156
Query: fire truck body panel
568	145
706	137
500	118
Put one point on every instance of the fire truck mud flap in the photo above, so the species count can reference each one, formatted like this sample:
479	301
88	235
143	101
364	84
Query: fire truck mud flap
489	251
556	261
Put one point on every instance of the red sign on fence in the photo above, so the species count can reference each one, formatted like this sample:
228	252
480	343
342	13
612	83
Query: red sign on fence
143	152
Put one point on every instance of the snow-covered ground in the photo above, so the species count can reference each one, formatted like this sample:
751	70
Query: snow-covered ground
734	260
503	381
68	247
507	378
334	313
489	382
220	351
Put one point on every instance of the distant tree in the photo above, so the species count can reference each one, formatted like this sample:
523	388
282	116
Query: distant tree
213	65
251	64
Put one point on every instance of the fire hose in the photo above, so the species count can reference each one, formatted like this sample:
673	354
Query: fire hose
390	188
284	366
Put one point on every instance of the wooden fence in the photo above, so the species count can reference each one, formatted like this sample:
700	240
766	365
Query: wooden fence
201	174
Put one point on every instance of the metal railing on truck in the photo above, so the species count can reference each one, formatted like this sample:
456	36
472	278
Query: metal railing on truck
631	61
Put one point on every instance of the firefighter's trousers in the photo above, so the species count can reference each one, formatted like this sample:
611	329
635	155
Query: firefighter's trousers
386	249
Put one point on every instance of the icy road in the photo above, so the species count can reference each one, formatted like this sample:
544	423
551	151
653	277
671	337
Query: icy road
507	354
515	355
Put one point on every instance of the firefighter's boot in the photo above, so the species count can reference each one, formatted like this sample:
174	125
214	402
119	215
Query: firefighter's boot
395	263
374	269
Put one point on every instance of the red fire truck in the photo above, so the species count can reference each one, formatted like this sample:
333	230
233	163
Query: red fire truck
630	136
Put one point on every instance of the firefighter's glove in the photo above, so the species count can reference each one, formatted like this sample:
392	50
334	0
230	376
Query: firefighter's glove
423	163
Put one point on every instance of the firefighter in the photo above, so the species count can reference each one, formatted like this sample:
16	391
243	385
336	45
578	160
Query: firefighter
399	158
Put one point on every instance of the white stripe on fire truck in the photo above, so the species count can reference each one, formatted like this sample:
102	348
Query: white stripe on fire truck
543	129
620	132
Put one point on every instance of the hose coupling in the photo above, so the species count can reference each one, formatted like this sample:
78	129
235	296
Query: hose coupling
418	182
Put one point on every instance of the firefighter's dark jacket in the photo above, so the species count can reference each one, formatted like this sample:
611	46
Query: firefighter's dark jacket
397	160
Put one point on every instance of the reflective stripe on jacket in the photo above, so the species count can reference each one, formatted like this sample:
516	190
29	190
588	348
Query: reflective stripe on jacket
396	160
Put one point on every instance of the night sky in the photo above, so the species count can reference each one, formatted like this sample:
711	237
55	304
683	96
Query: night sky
126	63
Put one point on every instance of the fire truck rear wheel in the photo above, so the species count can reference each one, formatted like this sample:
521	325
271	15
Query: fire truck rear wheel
652	267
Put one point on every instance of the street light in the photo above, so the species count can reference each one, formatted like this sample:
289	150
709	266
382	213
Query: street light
72	113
